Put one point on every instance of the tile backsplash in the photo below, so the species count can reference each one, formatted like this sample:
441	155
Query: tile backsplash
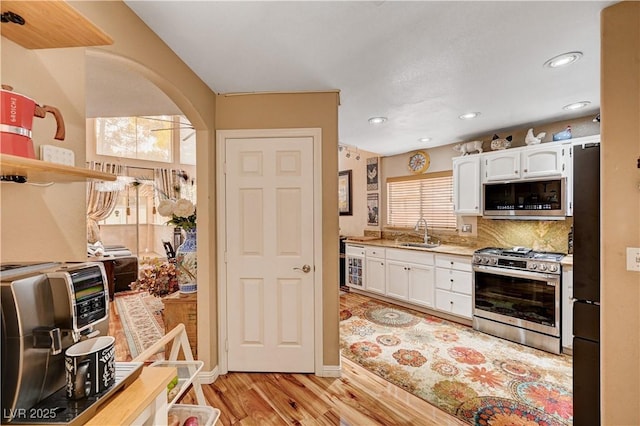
541	235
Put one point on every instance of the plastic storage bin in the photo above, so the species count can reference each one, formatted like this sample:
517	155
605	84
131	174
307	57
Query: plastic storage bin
187	371
207	416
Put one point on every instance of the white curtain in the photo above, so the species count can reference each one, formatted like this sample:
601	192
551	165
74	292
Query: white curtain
167	183
102	197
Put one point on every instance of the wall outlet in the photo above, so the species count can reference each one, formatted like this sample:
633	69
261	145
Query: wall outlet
466	227
633	259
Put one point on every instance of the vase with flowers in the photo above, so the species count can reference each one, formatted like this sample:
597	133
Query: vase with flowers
157	277
183	215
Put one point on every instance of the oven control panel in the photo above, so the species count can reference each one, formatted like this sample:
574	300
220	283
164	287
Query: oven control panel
517	263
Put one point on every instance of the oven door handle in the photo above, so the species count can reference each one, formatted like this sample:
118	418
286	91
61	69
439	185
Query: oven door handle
517	274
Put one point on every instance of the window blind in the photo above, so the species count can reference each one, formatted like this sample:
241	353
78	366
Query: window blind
428	196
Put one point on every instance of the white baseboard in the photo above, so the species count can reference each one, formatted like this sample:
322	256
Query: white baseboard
208	377
331	371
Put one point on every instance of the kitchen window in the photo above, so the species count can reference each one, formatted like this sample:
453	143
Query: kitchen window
428	195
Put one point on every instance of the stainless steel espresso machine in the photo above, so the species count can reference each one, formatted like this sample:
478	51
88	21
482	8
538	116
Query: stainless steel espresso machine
46	308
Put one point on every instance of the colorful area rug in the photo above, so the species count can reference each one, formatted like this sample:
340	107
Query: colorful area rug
141	318
478	378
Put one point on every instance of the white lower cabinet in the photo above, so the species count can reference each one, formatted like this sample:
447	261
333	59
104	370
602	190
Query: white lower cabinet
375	270
421	285
454	285
426	279
397	280
453	303
410	276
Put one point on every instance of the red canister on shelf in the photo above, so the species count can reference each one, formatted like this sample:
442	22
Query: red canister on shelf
16	120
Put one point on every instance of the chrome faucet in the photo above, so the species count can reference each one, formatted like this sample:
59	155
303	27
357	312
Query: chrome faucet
417	228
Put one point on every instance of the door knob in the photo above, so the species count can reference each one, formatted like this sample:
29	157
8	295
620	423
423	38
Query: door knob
306	269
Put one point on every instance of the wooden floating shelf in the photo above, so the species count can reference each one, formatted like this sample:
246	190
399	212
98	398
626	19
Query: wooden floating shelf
50	24
37	171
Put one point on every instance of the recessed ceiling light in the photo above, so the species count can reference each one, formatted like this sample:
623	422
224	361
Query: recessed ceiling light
562	60
424	140
377	120
469	115
576	105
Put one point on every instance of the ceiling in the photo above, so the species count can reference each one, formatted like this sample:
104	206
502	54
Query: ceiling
420	64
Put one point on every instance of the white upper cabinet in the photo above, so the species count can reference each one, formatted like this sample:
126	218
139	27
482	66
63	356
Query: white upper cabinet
502	165
543	161
466	185
530	162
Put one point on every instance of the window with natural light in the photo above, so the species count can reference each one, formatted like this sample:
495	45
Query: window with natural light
427	196
142	138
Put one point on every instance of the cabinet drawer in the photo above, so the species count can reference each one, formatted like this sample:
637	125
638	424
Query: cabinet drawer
453	280
354	250
456	304
461	263
410	256
461	305
376	252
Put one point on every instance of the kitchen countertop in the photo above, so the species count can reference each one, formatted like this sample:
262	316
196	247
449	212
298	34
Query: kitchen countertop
443	248
567	260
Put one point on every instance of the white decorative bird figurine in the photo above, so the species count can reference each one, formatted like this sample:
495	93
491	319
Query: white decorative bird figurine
533	140
565	134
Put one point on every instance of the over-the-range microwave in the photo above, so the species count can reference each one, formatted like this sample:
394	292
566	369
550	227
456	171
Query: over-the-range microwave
526	199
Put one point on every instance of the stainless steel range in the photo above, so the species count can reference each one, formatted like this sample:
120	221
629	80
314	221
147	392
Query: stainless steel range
517	295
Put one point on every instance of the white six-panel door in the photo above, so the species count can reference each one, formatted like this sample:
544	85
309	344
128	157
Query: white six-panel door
269	218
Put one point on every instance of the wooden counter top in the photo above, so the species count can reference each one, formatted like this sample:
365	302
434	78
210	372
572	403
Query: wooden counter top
443	248
127	405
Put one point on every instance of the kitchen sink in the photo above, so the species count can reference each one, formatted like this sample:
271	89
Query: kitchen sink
420	245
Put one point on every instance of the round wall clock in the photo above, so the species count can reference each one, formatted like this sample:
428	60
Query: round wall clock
419	162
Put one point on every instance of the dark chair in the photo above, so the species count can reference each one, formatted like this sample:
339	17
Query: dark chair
168	248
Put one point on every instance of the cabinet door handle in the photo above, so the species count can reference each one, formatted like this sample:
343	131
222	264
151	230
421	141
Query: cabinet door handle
525	170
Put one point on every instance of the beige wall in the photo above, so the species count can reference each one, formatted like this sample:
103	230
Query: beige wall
46	223
356	224
142	51
58	213
302	110
49	223
620	289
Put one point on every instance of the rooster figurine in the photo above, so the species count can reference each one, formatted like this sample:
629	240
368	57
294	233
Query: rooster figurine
533	140
565	134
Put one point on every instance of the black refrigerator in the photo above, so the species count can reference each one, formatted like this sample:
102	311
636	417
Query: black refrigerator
586	284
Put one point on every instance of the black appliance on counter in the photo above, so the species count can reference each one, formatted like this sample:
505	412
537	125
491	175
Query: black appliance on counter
45	308
527	199
586	284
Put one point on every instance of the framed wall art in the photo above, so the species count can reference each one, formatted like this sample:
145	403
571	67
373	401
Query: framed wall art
373	210
345	202
373	173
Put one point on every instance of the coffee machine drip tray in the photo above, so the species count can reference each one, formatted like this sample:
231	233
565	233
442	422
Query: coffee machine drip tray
58	409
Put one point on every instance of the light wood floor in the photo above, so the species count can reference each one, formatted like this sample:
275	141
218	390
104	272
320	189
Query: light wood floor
357	398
